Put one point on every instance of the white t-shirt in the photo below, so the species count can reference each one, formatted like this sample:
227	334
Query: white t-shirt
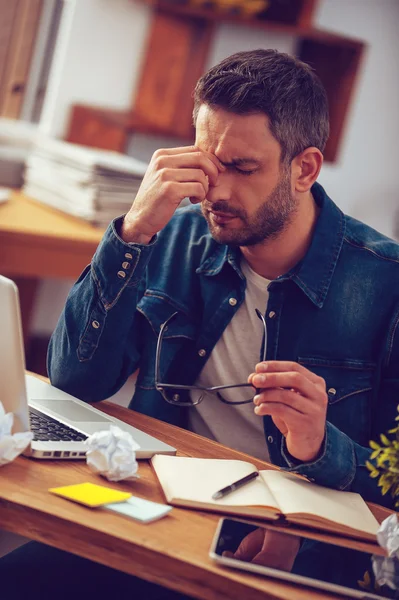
231	361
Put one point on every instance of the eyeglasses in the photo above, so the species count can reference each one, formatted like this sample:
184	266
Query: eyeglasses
172	393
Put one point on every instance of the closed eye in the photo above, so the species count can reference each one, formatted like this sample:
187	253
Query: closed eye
243	166
245	172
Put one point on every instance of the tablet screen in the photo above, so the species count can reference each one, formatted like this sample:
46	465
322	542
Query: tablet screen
324	564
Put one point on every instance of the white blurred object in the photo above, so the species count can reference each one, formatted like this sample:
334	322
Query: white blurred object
4	194
388	535
17	139
112	453
11	445
386	571
386	568
96	185
19	134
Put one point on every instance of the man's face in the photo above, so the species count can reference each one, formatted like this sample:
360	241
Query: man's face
253	199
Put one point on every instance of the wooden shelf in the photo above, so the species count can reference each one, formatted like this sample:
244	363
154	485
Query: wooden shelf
177	50
337	65
296	16
107	129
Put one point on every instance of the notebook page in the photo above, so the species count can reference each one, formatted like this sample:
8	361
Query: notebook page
196	479
297	496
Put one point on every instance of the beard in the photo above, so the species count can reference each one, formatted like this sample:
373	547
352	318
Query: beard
271	218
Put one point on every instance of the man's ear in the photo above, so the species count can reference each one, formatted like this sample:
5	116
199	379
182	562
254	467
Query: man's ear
305	169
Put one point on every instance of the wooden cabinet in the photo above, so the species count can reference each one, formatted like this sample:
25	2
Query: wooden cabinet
176	54
19	21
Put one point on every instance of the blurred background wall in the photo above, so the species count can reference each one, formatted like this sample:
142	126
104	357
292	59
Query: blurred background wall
93	52
99	54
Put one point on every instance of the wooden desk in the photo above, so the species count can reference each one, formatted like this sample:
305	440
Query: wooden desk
37	241
172	552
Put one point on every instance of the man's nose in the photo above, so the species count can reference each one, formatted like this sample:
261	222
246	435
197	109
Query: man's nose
221	190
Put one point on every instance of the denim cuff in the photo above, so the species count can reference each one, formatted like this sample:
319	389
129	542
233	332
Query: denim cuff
117	265
336	465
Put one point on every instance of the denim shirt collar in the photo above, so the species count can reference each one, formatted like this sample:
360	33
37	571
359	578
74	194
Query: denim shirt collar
314	273
213	264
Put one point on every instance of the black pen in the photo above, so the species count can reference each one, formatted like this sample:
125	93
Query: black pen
234	486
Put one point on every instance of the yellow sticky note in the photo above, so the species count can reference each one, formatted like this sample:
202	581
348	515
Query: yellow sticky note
90	494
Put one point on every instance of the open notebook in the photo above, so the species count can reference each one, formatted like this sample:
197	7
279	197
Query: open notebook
190	482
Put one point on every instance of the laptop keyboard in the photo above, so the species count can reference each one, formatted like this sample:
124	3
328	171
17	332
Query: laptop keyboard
46	429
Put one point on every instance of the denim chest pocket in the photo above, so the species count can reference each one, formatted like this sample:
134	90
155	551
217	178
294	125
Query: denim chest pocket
349	386
156	309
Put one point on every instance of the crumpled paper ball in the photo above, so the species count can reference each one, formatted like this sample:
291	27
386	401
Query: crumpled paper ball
11	445
386	568
112	454
388	535
386	571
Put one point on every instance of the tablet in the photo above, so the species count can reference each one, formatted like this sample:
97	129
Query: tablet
284	555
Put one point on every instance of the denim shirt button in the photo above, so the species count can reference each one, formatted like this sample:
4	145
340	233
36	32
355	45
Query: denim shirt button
272	314
126	264
202	352
128	255
121	274
95	324
232	301
332	392
270	439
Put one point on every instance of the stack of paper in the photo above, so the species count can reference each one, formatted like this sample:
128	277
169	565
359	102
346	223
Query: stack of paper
16	141
96	185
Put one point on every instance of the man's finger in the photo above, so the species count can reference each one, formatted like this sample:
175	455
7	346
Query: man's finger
171	151
187	149
294	401
191	160
182	175
291	380
290	415
276	366
220	166
193	190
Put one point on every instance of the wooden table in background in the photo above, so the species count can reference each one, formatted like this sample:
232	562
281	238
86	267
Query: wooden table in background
38	242
172	552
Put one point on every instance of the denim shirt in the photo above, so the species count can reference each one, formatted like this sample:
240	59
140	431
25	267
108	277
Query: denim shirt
336	313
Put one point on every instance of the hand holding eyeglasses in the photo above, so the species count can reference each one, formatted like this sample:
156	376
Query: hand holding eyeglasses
296	399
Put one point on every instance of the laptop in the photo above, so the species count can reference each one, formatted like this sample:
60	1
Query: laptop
60	423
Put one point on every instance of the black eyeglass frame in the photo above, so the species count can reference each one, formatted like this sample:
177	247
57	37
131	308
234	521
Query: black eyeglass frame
160	387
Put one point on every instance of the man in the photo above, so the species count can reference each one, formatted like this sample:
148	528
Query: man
260	233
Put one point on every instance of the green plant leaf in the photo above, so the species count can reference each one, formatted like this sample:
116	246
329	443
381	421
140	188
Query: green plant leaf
385	488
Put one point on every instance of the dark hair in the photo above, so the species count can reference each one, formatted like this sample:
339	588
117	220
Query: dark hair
286	89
